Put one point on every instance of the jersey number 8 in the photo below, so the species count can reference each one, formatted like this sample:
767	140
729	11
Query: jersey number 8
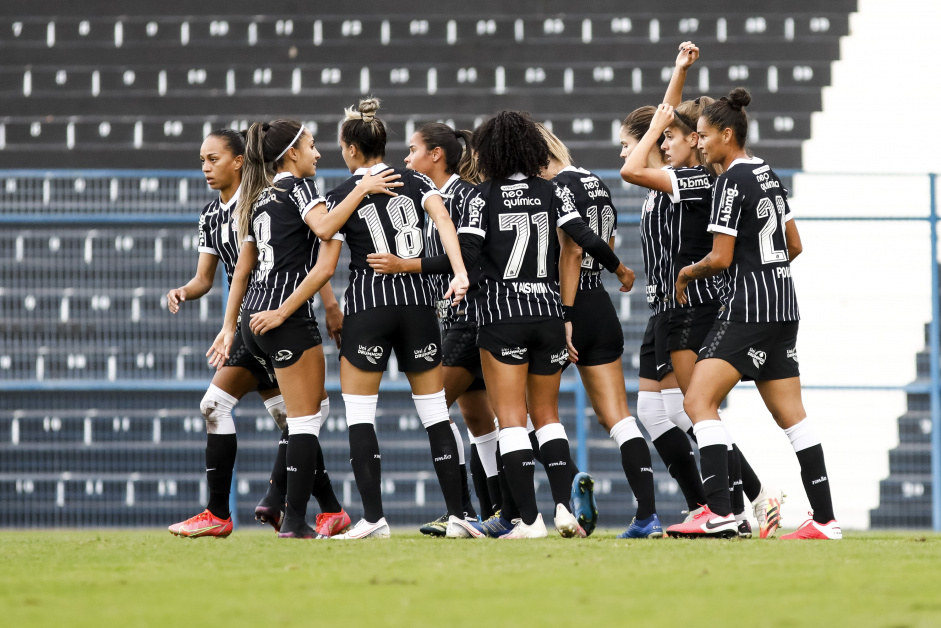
404	218
262	225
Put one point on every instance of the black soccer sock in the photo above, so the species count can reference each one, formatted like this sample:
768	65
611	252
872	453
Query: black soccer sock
220	460
509	509
323	489
367	469
278	484
447	467
736	494
635	458
496	493
480	484
301	458
816	483
556	457
677	455
715	469
750	482
519	468
692	435
534	443
469	510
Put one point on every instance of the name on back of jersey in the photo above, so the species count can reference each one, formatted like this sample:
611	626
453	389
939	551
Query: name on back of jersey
530	287
514	195
593	188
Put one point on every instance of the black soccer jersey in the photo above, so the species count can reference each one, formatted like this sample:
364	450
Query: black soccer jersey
593	202
459	196
751	205
287	248
217	233
386	224
655	243
690	240
519	262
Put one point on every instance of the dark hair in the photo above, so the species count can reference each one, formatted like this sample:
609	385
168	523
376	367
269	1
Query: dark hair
457	159
508	143
729	113
364	130
637	123
266	143
685	118
234	140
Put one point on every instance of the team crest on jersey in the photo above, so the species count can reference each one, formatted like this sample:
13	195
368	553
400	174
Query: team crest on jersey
428	353
514	352
648	203
792	354
283	355
372	353
757	357
560	358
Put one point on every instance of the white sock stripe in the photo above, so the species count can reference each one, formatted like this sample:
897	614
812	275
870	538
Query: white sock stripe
652	413
325	409
274	401
551	431
802	436
487	452
486	438
440	393
710	432
673	405
459	442
216	407
514	439
360	409
432	408
221	396
529	424
278	411
309	424
624	430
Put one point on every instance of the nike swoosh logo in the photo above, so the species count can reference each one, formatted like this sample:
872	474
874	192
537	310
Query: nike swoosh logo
707	479
206	529
709	525
660	366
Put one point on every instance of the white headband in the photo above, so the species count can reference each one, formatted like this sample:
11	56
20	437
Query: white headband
296	137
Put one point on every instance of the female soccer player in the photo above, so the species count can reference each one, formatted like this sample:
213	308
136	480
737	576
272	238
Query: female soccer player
755	335
521	332
278	250
689	185
386	312
436	151
222	157
597	341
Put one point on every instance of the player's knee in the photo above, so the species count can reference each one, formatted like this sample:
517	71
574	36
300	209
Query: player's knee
697	405
277	410
216	407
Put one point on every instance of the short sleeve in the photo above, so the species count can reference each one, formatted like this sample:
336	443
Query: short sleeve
788	214
306	196
689	184
474	216
726	209
424	187
205	237
564	203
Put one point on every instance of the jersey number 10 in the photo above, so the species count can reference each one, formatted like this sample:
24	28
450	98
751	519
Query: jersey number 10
606	227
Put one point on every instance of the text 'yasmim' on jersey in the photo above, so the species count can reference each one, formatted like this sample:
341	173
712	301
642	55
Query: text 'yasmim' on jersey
519	262
218	234
385	224
751	205
690	240
592	199
287	248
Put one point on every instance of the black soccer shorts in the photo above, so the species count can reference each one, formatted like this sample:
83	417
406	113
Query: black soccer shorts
285	344
655	360
596	328
240	356
460	349
759	351
411	331
689	326
539	342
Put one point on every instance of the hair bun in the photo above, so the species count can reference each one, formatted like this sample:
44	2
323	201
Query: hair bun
368	108
265	126
739	98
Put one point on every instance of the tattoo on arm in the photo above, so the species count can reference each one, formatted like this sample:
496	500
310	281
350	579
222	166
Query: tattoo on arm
701	269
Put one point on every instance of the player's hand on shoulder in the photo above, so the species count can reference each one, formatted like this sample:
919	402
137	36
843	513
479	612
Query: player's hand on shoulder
385	263
458	288
174	298
266	321
219	351
687	56
380	183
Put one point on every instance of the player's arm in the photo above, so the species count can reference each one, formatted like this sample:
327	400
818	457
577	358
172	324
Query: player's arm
219	351
591	242
196	287
684	61
792	237
635	169
435	208
333	315
326	223
389	264
570	267
717	260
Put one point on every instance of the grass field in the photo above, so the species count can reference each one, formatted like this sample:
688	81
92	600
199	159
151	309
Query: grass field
150	578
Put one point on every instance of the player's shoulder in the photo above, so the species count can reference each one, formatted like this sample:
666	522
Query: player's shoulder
343	189
415	177
694	177
211	209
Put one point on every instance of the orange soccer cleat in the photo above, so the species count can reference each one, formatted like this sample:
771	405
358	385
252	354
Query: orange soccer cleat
203	524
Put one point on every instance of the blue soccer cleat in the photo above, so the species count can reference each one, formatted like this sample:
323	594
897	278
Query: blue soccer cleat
496	526
648	528
583	502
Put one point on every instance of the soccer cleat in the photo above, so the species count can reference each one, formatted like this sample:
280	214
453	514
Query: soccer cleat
744	529
438	527
566	523
648	528
692	514
706	524
365	530
270	510
293	526
461	528
496	526
583	502
767	509
203	524
812	530
536	530
332	523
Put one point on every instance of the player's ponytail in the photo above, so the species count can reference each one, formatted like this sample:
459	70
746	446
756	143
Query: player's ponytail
637	123
729	113
685	121
467	167
509	143
557	150
363	129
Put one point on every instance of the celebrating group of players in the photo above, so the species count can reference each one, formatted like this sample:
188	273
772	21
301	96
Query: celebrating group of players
498	238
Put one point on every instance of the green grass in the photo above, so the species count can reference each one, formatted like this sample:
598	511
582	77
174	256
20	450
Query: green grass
150	578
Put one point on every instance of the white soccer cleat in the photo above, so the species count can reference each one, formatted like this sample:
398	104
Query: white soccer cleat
767	508
522	531
567	524
692	514
459	528
365	530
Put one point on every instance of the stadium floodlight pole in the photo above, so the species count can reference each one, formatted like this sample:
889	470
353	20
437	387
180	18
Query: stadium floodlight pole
233	488
934	335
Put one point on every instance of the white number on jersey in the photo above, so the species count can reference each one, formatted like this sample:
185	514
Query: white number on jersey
766	209
262	225
607	226
520	222
404	217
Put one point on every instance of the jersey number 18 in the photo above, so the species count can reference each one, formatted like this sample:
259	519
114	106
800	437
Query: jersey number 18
404	218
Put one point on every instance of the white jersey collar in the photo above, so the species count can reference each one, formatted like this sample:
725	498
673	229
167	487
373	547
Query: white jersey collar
449	182
232	201
371	170
281	175
750	161
519	176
